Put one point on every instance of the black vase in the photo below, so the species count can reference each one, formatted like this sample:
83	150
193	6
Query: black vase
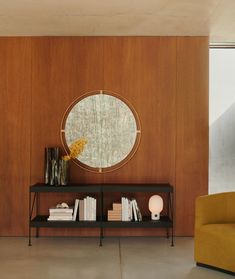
63	172
51	165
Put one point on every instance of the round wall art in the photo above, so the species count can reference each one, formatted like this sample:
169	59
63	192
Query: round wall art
109	126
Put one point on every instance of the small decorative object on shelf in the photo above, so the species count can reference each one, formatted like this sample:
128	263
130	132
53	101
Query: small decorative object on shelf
63	172
51	165
155	206
62	205
57	170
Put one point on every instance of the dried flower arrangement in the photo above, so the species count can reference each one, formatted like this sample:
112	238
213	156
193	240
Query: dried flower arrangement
75	149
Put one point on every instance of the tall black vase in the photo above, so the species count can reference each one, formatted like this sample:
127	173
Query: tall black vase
63	172
51	165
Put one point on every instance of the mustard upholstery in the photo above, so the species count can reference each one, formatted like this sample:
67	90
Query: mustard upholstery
215	231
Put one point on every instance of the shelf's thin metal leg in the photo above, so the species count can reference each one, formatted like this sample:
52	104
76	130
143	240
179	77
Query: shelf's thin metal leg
31	207
37	212
30	244
168	212
172	239
101	218
101	236
172	217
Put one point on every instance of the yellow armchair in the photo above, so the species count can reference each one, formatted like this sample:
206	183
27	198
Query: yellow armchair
215	231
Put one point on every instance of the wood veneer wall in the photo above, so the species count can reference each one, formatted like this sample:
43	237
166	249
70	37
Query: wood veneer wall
166	80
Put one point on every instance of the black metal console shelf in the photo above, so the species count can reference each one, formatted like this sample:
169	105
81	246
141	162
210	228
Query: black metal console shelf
40	221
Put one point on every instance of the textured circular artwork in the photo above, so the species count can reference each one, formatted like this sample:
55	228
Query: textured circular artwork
110	127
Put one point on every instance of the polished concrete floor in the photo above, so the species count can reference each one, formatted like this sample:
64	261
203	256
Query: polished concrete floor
124	258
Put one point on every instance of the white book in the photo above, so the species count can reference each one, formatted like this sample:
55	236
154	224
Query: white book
60	218
93	209
75	211
61	214
127	209
122	203
134	210
85	209
88	208
130	210
123	209
138	211
81	210
60	210
95	202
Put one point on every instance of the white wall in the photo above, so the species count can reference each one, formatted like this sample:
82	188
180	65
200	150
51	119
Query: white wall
222	121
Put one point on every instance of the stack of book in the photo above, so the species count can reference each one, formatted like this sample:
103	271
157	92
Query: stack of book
127	210
64	213
116	213
87	209
137	216
60	214
83	210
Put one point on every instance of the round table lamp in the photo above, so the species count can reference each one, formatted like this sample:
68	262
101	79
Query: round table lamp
155	206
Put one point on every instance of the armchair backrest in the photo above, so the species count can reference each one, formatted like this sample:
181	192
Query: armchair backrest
214	209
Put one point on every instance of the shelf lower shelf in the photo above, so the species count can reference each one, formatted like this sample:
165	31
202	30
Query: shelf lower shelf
41	221
164	222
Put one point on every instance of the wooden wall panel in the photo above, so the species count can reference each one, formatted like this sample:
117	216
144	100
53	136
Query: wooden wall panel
15	105
62	70
192	129
143	70
166	80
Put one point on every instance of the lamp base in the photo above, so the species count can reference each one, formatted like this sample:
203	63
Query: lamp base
155	216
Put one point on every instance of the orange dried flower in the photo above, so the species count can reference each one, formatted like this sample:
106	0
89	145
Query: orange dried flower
75	148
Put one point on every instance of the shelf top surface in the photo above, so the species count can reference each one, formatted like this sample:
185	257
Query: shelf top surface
40	187
96	188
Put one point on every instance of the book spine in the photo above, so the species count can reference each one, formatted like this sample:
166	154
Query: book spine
60	218
60	210
85	209
95	202
89	208
75	209
81	210
126	210
134	210
123	209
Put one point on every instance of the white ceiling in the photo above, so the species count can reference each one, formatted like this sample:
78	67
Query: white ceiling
215	18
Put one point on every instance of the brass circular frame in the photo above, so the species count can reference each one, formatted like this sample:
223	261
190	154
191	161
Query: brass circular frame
134	148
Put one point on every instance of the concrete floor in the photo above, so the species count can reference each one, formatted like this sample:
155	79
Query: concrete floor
82	258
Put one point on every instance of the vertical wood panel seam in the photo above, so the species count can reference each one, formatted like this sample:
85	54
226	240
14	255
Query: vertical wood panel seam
103	85
31	109
176	132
